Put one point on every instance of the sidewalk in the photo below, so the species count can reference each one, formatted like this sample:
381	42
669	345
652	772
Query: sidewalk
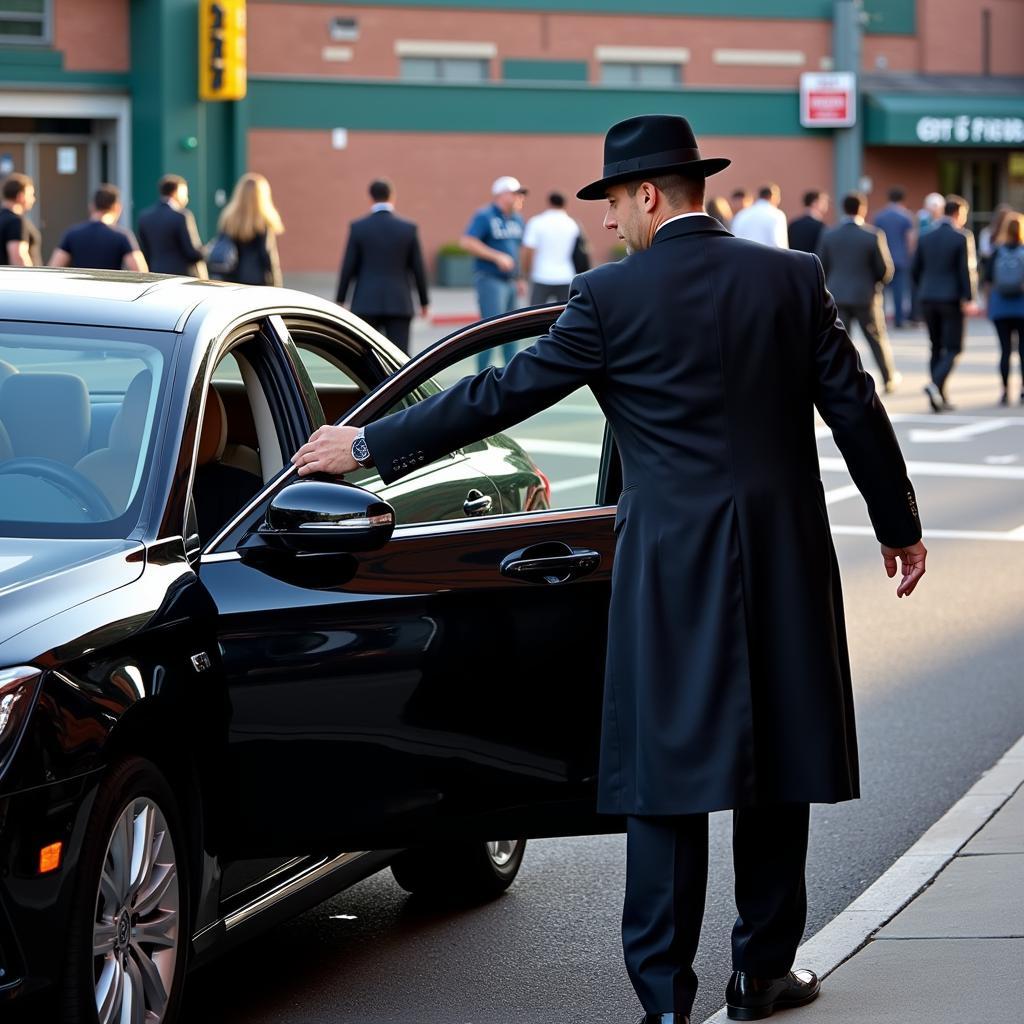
951	951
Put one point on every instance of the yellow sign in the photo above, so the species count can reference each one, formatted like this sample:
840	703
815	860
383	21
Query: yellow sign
221	49
1017	165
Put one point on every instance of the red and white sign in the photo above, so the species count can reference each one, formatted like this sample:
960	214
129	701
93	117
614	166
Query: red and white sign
828	99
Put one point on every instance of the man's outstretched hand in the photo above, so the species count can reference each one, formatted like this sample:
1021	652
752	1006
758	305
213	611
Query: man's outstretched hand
911	561
328	450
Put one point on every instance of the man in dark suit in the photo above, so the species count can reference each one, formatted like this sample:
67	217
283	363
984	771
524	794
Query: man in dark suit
383	252
805	231
168	235
728	681
945	276
857	266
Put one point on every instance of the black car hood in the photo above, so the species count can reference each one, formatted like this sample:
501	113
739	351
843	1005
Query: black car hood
42	577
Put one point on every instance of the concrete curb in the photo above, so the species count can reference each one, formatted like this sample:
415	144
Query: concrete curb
847	933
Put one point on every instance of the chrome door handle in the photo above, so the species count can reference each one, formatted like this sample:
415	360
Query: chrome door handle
477	503
544	563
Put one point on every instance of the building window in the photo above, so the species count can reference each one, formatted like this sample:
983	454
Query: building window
446	69
650	67
344	30
655	76
25	21
436	60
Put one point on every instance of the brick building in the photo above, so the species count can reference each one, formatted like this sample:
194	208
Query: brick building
444	95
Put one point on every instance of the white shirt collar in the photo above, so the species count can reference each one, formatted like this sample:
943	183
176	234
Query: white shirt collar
378	207
680	216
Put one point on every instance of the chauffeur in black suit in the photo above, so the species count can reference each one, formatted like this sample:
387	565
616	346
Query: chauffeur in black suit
168	235
383	252
728	682
945	277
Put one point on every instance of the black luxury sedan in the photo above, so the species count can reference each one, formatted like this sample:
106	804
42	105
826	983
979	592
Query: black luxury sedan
227	692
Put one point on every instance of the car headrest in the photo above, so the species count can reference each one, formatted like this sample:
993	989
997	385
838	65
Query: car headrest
47	415
130	421
214	434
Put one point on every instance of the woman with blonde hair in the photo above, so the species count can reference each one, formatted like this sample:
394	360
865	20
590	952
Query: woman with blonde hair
245	250
1005	278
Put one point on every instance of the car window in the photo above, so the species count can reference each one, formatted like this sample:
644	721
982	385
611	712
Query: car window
323	372
78	413
550	461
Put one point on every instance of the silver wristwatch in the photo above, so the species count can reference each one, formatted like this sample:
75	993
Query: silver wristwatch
361	450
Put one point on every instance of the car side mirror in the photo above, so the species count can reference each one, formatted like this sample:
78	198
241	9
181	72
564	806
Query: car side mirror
315	517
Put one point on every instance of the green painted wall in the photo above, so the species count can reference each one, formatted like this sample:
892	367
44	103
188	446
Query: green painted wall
890	16
167	113
371	105
34	64
544	70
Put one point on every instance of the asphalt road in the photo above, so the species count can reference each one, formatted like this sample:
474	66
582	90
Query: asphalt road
939	696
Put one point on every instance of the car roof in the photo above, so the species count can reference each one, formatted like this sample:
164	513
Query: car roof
117	298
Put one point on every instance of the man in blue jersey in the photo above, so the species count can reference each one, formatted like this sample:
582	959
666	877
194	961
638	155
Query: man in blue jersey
494	236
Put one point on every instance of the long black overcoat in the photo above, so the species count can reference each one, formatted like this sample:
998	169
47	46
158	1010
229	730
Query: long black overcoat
728	680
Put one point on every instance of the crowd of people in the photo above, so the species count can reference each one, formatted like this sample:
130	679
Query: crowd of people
244	249
925	263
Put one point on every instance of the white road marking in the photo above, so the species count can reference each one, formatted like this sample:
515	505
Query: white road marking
546	446
841	494
572	410
930	417
952	470
590	480
954	435
1016	535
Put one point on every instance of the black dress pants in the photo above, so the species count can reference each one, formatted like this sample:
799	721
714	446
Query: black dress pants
871	318
945	323
666	884
394	328
1006	329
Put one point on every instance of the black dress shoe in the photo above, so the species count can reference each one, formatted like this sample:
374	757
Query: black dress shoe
662	1018
750	998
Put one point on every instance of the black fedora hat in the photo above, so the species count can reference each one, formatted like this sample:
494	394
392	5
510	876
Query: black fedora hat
648	145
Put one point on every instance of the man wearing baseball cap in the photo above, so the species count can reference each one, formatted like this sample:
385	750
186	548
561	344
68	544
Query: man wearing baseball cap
727	676
494	237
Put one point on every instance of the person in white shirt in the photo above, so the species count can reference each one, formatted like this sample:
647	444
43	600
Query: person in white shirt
547	253
763	221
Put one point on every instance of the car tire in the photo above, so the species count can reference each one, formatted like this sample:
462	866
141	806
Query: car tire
132	900
460	873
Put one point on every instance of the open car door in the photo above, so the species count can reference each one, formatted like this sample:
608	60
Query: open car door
449	684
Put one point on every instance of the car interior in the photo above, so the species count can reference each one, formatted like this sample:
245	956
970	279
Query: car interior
84	443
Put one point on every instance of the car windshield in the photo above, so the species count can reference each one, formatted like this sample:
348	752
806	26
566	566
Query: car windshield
78	411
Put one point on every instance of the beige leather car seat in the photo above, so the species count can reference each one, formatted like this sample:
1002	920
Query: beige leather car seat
113	469
219	490
47	415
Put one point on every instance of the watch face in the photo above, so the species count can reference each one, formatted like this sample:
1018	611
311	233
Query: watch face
360	449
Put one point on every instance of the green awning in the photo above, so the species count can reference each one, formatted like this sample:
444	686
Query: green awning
929	119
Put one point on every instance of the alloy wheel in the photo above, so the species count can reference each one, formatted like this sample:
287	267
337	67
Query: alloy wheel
502	851
136	924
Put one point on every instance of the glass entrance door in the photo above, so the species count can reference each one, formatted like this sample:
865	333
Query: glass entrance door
980	179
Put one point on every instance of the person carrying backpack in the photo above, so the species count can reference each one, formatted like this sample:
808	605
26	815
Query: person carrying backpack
1005	278
245	248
